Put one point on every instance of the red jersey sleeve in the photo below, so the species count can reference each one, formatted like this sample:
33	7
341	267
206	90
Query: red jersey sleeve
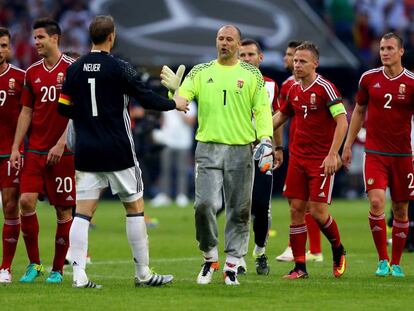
286	106
27	93
362	96
275	103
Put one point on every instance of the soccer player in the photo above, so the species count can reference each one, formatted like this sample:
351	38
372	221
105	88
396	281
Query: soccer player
320	130
251	53
95	95
228	92
11	84
386	95
48	167
314	235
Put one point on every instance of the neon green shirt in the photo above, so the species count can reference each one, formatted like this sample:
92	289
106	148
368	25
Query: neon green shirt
227	98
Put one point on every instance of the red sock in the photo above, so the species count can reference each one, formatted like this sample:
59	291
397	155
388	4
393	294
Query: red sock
330	230
399	237
11	231
379	234
61	244
30	231
314	234
298	242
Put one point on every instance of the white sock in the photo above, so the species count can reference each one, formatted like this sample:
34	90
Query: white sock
78	239
211	255
259	250
231	263
138	240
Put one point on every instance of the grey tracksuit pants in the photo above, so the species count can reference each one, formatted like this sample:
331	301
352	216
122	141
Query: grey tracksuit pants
226	169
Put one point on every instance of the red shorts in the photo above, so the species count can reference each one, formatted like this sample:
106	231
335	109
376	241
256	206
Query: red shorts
395	172
306	181
56	181
9	176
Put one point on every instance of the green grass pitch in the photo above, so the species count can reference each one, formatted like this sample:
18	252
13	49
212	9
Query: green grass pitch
173	249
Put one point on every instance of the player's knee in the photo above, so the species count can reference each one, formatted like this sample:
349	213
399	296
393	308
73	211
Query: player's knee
377	205
27	204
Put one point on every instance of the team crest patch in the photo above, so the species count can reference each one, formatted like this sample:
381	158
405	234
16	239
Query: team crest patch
313	98
60	77
401	89
240	84
12	85
370	181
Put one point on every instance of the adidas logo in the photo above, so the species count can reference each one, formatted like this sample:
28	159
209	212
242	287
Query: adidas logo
376	229
11	240
210	80
296	99
69	198
16	181
322	195
74	264
377	85
401	235
37	80
412	193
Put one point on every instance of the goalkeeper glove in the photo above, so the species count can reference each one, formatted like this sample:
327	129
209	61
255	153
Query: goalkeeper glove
170	79
264	154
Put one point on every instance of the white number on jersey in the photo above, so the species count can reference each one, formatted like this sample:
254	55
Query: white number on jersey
48	93
387	105
91	81
3	96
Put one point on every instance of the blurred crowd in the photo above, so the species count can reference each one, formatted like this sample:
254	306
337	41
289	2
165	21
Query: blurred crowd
357	23
360	23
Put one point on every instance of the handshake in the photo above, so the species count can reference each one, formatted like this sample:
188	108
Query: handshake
172	82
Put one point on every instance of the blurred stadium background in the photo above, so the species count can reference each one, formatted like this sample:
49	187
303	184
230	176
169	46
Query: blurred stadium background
158	32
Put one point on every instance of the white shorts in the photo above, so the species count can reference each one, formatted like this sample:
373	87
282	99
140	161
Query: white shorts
126	183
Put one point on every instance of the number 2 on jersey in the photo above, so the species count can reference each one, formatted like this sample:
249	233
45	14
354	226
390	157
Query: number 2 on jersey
387	105
91	81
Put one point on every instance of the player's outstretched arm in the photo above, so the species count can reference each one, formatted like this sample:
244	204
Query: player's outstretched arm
23	124
357	120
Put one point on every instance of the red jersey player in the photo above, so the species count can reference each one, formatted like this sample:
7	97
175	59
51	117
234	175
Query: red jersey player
314	234
320	129
251	53
11	83
387	95
48	167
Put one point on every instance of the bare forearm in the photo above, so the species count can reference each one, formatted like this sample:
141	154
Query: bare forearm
23	124
357	120
339	134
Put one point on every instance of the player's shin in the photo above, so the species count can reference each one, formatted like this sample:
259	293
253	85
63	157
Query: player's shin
138	241
78	237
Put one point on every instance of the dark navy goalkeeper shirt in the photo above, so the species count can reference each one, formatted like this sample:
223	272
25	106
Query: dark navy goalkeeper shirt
95	95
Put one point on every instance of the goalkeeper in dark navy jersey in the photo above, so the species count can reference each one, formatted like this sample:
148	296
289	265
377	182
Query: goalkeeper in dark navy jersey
96	95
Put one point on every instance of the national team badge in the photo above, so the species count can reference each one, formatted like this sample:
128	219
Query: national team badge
313	98
401	90
370	181
60	77
12	83
240	84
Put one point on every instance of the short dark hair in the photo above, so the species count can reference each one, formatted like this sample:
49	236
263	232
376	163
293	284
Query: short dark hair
50	25
100	28
4	32
72	54
391	35
249	41
309	46
294	44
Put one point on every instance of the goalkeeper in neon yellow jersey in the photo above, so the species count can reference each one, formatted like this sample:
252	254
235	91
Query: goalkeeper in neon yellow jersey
228	93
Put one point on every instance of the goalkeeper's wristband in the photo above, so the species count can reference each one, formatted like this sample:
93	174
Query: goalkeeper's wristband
277	148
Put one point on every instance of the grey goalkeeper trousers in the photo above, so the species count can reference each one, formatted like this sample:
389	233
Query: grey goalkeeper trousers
223	169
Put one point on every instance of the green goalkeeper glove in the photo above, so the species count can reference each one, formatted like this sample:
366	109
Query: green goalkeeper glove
264	154
171	80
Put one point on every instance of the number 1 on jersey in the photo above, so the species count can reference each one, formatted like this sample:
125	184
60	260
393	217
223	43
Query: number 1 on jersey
91	81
